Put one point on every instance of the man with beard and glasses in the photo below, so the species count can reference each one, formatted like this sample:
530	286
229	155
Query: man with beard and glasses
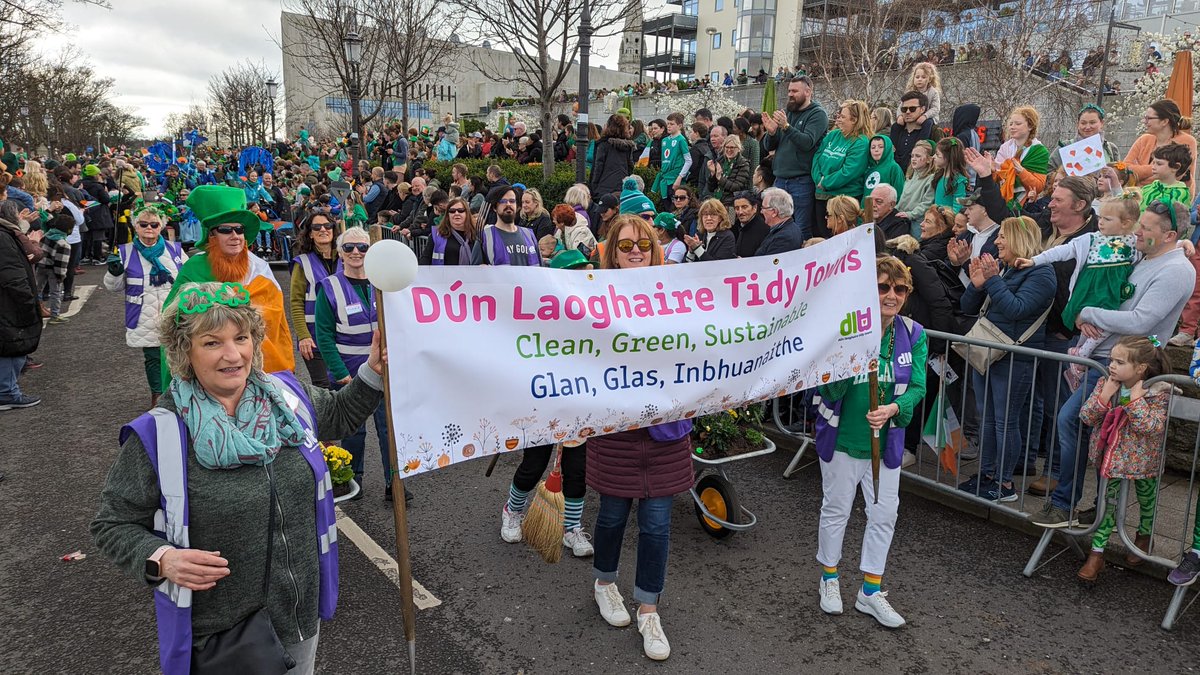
506	243
793	137
222	255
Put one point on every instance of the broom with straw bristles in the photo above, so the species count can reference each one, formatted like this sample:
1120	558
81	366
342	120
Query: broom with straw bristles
542	528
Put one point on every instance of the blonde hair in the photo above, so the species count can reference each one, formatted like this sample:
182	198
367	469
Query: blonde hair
1022	236
177	330
1031	118
845	209
716	208
1129	202
862	117
885	119
931	72
644	231
536	196
578	195
35	179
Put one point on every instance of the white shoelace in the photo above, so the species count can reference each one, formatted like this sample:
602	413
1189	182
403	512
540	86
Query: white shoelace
653	626
615	604
883	603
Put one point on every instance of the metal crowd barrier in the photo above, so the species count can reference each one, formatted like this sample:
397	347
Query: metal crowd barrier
1037	419
419	245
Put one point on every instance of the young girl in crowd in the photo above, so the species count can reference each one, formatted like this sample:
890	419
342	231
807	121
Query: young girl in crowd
949	174
1022	161
918	184
925	79
1103	262
1128	422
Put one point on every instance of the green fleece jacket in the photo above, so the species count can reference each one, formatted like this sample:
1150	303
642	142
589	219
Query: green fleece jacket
917	197
949	196
840	165
795	146
886	170
227	512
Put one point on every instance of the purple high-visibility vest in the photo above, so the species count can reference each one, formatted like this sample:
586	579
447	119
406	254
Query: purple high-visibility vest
355	320
135	278
314	272
907	334
498	254
164	435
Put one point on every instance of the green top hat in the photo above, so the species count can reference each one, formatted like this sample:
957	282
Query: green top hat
220	205
569	260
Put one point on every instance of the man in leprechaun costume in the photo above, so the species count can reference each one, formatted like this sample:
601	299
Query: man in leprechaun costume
221	255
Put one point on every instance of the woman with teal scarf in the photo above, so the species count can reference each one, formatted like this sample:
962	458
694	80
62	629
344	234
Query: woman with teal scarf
145	271
185	509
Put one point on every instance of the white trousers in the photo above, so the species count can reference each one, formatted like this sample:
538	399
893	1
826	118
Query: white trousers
840	479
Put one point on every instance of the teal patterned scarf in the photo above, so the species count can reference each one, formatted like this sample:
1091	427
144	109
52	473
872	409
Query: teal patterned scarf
262	425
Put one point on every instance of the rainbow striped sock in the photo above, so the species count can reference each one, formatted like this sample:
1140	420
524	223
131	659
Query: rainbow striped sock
871	583
828	573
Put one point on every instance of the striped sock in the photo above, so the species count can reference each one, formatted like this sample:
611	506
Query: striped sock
517	499
871	583
828	573
572	513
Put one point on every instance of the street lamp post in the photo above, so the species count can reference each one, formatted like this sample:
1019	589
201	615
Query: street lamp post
217	127
46	122
1112	23
272	90
352	44
581	124
25	118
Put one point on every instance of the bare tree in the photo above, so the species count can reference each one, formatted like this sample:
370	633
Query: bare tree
416	36
543	37
76	103
239	94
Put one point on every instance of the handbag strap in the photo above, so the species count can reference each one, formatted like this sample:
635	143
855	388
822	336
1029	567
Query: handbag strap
1034	326
266	584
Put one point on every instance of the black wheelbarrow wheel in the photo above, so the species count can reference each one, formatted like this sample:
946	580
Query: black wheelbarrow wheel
721	500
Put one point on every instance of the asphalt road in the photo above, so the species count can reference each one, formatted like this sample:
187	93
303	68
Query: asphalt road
747	604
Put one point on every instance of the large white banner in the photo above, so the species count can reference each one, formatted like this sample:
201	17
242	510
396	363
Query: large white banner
491	359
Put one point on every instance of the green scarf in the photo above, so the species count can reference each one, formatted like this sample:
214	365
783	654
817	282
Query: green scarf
262	424
55	235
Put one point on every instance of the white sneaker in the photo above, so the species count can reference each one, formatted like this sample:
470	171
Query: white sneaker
910	458
577	540
877	606
831	596
510	525
1182	339
654	640
611	604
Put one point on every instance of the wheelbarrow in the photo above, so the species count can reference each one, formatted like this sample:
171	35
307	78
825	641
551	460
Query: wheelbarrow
718	508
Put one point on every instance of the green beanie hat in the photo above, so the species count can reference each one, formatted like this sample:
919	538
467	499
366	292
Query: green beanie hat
69	157
632	199
91	170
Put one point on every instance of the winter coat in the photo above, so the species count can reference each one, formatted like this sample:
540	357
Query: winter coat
1137	452
98	214
687	219
145	334
735	177
1018	298
963	123
784	237
929	304
917	198
572	236
541	225
20	315
719	245
893	225
886	170
796	147
751	236
611	164
632	465
840	166
935	247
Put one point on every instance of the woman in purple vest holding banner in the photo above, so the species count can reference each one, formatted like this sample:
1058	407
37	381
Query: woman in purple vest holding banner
220	499
145	271
315	260
346	320
845	426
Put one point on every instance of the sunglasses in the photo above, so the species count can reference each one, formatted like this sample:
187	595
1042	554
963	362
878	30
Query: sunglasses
356	246
456	211
149	226
900	289
230	229
679	198
649	218
626	245
506	201
910	108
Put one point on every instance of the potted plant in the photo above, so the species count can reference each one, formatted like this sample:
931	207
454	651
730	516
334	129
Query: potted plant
730	432
341	475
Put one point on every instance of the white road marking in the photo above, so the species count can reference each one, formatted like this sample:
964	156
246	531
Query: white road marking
84	292
422	598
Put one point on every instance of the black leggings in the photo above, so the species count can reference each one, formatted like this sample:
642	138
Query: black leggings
537	458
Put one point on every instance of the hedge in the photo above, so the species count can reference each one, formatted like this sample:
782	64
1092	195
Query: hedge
530	175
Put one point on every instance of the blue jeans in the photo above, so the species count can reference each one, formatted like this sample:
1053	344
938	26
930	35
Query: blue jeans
1052	391
1073	438
1003	414
356	445
654	540
10	370
802	190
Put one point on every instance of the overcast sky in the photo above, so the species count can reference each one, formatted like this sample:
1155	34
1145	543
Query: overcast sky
161	56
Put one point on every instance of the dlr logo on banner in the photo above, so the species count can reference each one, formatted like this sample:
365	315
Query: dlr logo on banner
856	322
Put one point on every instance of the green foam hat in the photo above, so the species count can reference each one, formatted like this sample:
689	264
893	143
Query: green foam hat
222	205
569	260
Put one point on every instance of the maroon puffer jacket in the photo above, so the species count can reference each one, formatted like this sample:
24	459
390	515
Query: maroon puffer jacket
631	464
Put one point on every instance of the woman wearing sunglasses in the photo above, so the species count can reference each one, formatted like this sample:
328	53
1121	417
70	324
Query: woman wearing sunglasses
345	321
315	260
650	465
145	270
685	206
845	427
455	239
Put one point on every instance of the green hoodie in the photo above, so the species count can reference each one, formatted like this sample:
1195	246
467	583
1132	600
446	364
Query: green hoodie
840	165
886	170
